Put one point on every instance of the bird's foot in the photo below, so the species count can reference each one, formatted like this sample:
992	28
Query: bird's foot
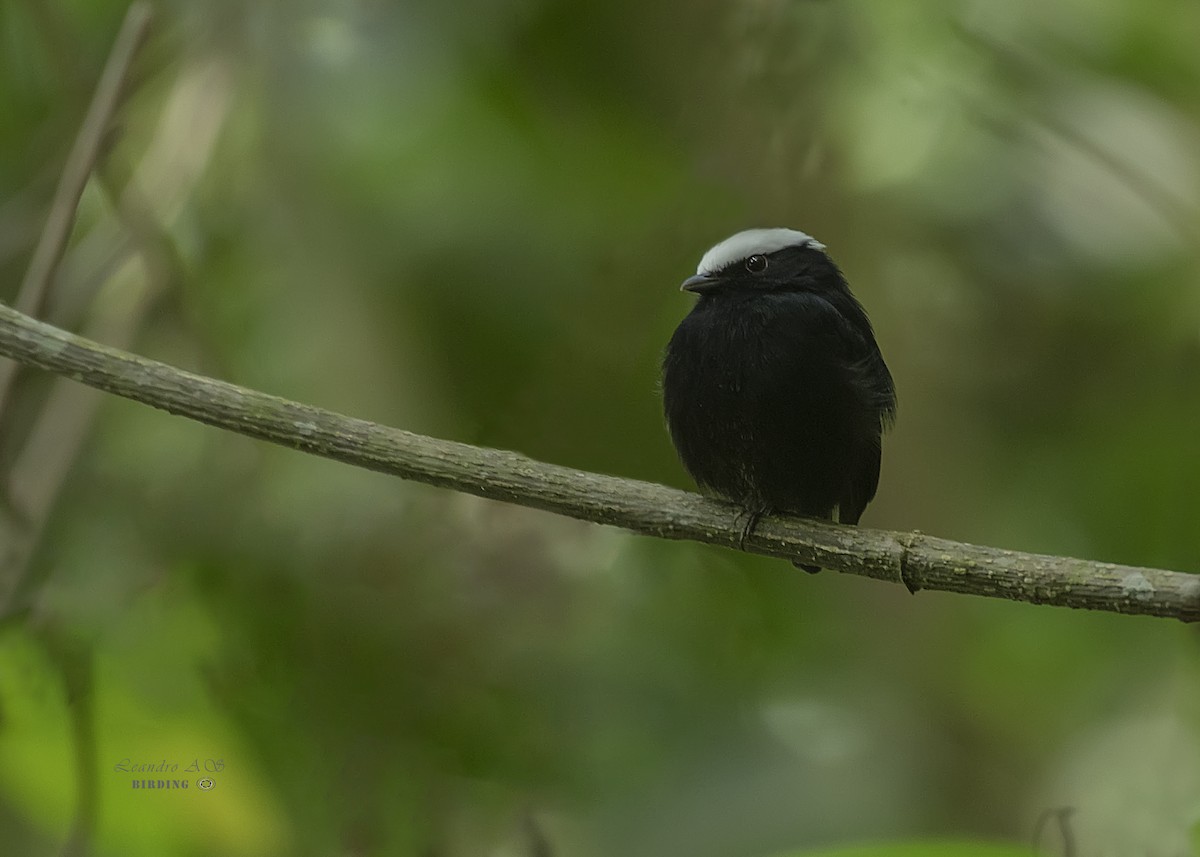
752	517
906	543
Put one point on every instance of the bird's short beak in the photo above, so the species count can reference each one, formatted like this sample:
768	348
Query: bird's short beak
700	284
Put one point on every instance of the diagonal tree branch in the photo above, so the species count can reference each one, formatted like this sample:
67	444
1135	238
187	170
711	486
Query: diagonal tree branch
82	158
916	560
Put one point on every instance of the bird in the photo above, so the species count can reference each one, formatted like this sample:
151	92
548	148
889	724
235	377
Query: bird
775	392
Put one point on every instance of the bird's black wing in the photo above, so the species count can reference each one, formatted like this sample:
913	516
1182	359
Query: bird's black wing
869	375
864	359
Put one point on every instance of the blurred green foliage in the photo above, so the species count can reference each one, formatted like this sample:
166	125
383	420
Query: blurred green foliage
469	219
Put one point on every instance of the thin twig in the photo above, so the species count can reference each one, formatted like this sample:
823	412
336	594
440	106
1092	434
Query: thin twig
929	563
64	420
1063	816
1170	206
38	471
80	163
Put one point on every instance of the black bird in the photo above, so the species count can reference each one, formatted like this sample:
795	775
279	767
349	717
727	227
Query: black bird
775	391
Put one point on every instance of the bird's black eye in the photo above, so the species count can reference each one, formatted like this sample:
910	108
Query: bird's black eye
756	264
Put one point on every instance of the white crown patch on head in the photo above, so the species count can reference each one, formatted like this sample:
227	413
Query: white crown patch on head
749	243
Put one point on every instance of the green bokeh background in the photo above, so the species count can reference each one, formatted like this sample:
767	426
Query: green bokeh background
469	219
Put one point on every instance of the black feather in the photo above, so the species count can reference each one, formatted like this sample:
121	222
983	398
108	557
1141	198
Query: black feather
775	391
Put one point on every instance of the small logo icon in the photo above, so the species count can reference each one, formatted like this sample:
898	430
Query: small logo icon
205	783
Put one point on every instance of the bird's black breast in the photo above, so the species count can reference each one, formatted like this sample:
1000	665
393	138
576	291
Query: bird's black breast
777	401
